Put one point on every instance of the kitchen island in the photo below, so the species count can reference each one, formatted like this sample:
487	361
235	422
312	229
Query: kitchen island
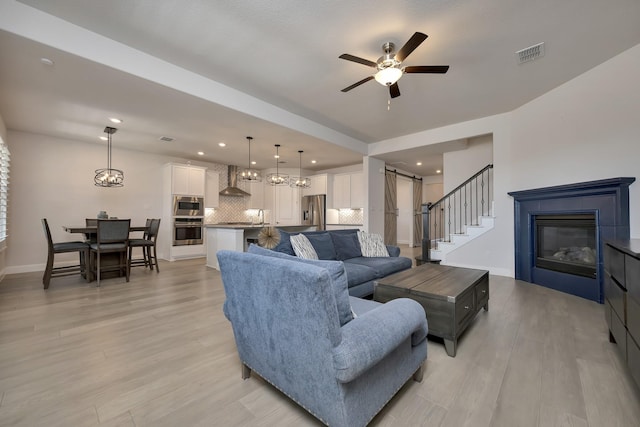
238	236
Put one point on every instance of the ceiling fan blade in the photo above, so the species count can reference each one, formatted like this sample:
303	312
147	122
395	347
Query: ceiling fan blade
411	44
437	69
366	79
358	60
394	90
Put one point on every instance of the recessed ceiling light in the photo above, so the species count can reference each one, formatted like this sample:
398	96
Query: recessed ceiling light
277	156
419	164
115	120
253	162
200	153
47	62
313	161
222	144
104	138
438	171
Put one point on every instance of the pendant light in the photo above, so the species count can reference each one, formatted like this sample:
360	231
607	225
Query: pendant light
300	181
250	174
109	177
277	178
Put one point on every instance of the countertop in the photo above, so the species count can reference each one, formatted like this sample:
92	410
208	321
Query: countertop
250	226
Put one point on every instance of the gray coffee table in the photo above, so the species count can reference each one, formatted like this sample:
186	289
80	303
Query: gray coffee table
451	297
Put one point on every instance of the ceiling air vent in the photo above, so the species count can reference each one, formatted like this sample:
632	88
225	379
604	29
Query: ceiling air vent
165	139
530	53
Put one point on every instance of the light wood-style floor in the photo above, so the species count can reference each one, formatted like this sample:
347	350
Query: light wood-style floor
159	352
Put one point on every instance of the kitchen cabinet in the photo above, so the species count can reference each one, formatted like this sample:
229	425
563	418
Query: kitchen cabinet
348	191
318	185
257	190
284	204
188	180
356	190
212	197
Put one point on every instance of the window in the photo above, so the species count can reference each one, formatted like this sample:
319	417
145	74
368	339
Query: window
4	188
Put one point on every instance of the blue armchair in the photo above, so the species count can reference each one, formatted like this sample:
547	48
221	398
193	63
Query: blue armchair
287	327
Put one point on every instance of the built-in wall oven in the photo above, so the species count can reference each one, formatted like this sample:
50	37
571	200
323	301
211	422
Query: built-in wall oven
187	231
188	206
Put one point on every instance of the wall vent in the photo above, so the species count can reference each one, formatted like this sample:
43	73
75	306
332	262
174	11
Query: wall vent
530	53
165	139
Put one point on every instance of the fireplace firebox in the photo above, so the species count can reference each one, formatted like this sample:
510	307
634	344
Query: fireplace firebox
566	243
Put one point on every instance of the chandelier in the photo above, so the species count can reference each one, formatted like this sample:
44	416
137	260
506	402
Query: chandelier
109	177
300	181
277	178
249	174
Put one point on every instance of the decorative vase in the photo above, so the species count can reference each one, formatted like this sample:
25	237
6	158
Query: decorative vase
103	215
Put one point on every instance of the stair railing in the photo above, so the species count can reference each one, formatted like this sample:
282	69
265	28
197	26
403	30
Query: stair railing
461	207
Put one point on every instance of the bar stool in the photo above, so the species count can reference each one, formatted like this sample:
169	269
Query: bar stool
64	247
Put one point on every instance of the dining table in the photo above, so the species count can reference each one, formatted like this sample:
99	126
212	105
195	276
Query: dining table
84	229
90	232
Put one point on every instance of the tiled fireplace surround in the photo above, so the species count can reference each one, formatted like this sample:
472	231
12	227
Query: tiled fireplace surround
607	199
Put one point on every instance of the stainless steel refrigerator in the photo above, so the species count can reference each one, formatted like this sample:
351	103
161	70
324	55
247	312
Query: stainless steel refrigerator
314	211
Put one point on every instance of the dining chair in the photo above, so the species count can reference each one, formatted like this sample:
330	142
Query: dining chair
64	247
90	237
148	245
112	237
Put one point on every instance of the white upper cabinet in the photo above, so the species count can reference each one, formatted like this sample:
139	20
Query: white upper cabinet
348	191
212	197
356	188
318	185
188	180
256	201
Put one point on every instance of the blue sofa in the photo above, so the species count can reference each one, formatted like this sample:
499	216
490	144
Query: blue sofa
342	245
294	325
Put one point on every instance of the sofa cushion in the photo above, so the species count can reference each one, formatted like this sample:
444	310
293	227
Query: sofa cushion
284	245
336	271
372	245
346	245
358	273
323	245
382	266
302	247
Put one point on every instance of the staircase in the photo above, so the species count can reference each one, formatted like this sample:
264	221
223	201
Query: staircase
459	217
440	248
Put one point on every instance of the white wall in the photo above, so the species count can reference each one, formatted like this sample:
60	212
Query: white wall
432	188
586	129
458	166
53	178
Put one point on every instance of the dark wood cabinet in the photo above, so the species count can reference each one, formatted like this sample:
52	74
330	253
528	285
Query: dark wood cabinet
622	300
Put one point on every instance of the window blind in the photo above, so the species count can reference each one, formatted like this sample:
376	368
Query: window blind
5	158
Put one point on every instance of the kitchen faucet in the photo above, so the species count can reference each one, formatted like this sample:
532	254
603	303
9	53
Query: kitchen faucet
260	216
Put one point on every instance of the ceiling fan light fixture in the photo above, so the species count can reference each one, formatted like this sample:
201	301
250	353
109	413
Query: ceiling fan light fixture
388	76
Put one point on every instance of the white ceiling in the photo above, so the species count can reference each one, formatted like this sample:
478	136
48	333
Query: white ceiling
285	53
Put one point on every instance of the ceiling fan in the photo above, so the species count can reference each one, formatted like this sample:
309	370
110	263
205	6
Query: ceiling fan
389	66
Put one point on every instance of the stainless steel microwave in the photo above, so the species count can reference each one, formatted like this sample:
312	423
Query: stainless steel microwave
188	206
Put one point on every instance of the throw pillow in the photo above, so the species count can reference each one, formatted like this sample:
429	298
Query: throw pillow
372	245
347	245
323	245
338	279
302	247
285	244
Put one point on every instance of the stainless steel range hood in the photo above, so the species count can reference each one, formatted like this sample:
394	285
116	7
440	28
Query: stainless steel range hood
232	189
